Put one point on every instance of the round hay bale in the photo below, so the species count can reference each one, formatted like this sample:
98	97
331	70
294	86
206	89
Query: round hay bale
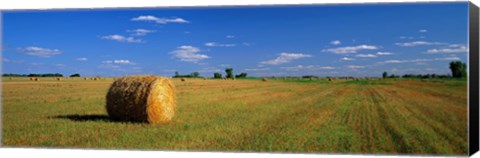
36	79
59	79
149	99
264	79
183	79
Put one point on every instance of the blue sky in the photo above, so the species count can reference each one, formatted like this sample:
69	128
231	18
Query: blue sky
324	40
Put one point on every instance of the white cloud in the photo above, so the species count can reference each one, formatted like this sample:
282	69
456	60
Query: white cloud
188	54
405	37
140	32
452	49
347	50
285	58
448	58
120	61
456	45
405	61
417	43
82	59
257	69
41	52
307	67
60	65
423	30
230	36
214	44
159	20
355	66
224	65
384	53
209	70
366	55
348	59
121	38
335	42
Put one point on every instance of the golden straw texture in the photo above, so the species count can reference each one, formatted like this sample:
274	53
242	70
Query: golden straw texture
142	99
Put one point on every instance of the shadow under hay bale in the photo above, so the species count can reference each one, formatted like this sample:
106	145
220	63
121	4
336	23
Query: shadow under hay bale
148	99
76	117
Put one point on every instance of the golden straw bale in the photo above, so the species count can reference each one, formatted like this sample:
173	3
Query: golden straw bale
36	79
183	79
58	78
264	79
148	99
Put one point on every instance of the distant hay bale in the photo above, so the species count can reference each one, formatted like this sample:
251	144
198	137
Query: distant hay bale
85	78
264	79
149	99
59	79
183	79
36	79
31	78
329	79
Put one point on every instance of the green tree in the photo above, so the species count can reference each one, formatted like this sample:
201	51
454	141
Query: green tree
385	74
176	74
217	75
459	69
229	72
75	75
195	74
241	75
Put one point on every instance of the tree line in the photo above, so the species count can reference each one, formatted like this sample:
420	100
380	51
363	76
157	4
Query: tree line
458	69
39	75
217	75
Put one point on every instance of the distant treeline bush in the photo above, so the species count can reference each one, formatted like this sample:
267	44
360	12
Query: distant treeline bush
425	76
191	75
34	75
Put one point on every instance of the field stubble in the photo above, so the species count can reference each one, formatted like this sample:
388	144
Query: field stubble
378	117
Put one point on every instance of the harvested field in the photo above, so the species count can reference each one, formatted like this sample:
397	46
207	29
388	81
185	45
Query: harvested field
301	116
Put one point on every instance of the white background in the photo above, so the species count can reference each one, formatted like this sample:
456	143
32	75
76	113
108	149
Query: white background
76	4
